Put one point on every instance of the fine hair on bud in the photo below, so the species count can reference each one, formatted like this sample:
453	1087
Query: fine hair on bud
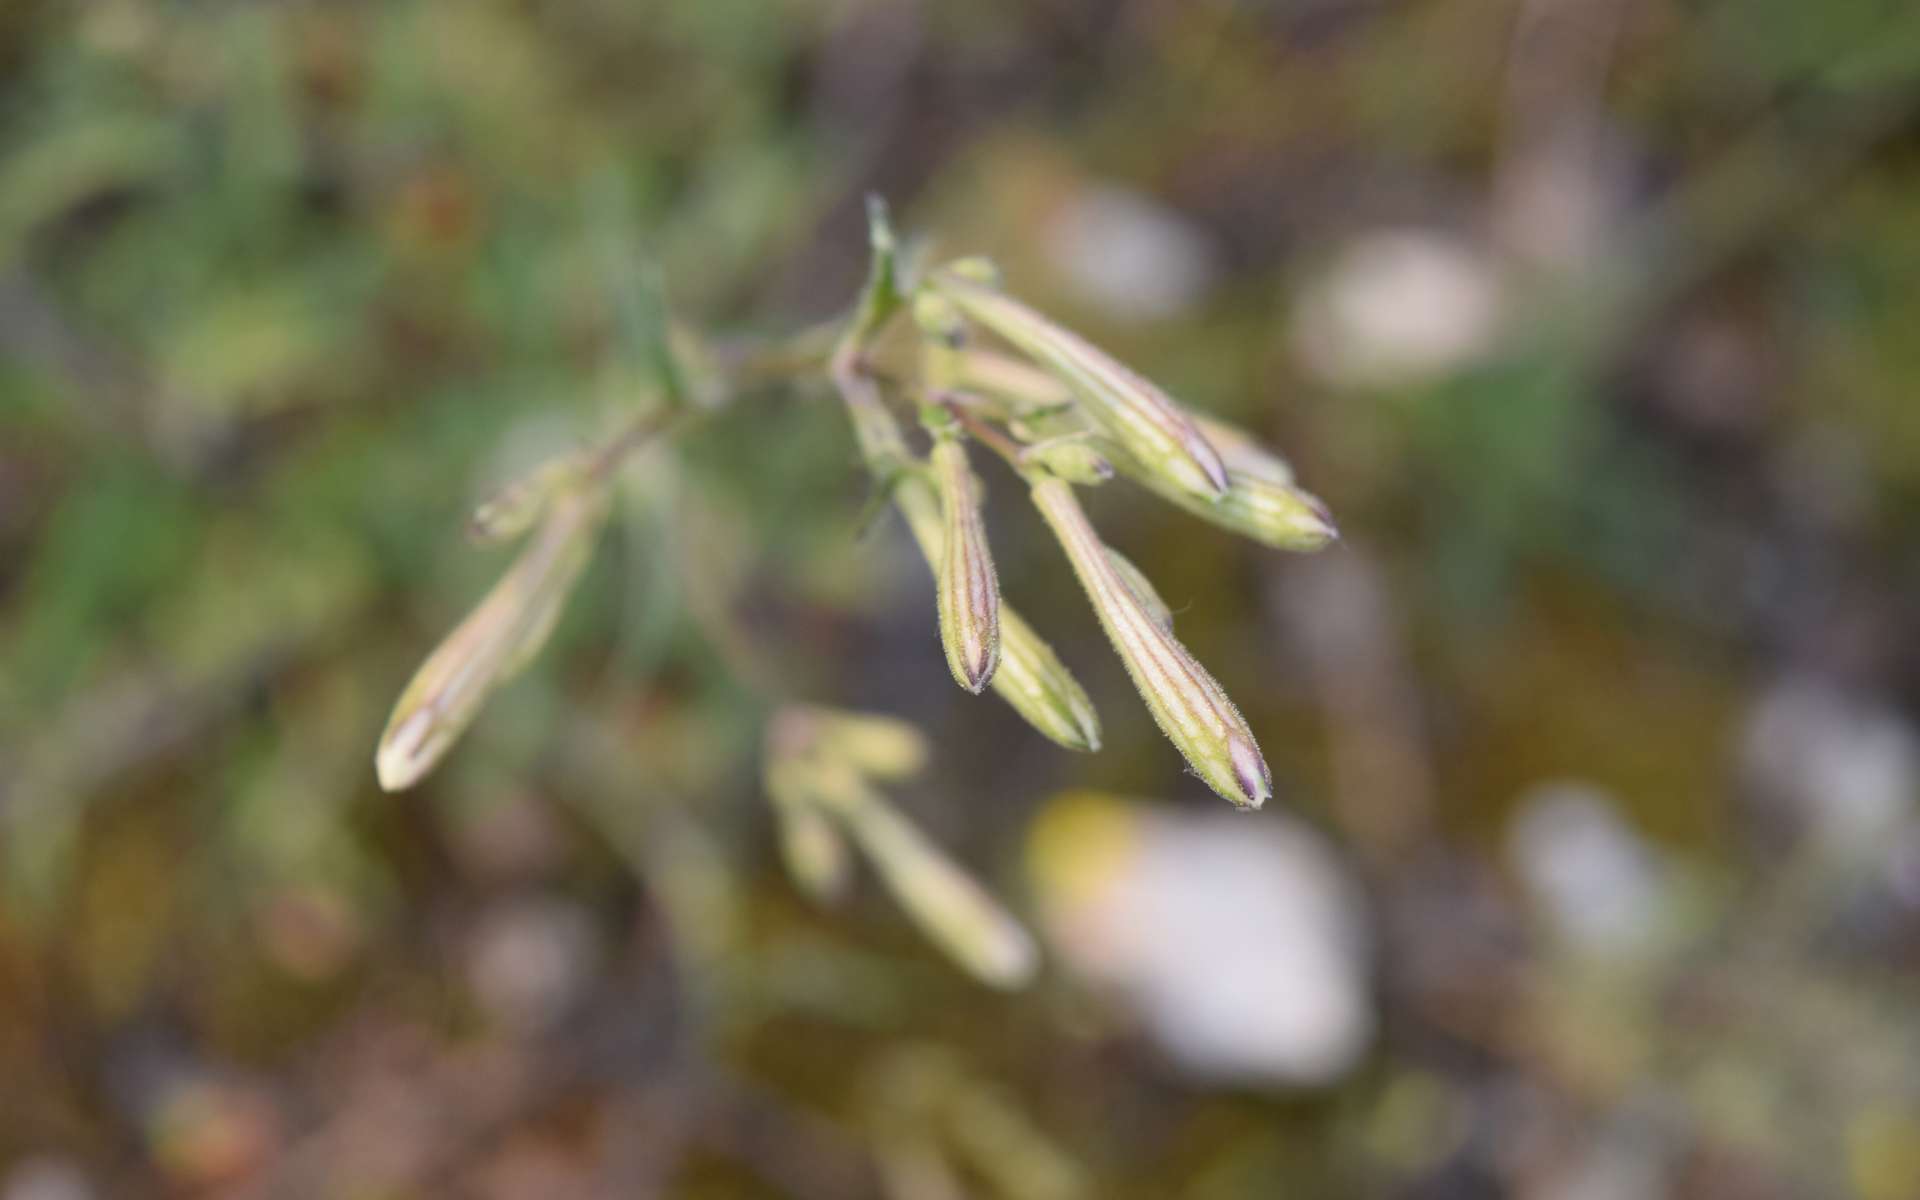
1188	704
1030	678
1145	420
969	590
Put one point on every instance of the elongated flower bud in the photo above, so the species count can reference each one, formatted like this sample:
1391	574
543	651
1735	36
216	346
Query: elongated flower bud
1243	453
969	591
1265	509
1031	678
950	907
1040	688
1262	502
1142	589
815	853
1041	405
1022	385
494	642
1278	514
512	510
878	747
812	847
1134	412
1186	702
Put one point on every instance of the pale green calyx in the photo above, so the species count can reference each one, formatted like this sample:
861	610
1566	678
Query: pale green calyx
822	795
1144	420
1040	688
1031	678
1243	453
495	641
968	589
948	904
1142	589
1072	458
1257	505
511	510
811	845
1187	703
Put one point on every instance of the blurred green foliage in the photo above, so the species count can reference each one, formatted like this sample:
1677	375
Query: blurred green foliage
286	287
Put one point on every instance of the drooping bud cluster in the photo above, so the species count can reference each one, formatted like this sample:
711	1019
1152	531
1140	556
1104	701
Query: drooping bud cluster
1136	414
1063	414
821	770
1072	415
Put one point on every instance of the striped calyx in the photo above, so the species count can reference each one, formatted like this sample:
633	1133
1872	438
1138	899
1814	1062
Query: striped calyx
968	589
1136	414
1187	703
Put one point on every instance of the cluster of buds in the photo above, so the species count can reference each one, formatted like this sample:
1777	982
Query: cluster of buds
824	770
1064	414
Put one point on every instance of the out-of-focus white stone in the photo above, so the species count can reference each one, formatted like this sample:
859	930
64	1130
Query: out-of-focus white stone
1844	768
1238	943
1396	307
1589	874
1130	256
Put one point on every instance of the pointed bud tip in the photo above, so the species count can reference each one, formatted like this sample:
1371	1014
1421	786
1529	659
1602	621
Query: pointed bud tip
1324	514
395	769
1080	729
1250	771
403	756
1210	463
1012	965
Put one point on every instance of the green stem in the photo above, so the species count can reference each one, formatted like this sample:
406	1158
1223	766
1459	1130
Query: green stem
988	436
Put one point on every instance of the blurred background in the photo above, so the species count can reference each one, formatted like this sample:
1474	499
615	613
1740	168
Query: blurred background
1594	872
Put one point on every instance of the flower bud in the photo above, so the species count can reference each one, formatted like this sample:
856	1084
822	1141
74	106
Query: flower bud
1243	453
975	269
1040	688
938	318
950	907
1135	413
1071	458
512	510
1186	702
1030	677
1142	589
814	851
494	642
878	747
1023	385
1276	514
969	592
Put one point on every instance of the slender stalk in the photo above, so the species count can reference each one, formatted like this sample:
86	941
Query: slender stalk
641	430
986	434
